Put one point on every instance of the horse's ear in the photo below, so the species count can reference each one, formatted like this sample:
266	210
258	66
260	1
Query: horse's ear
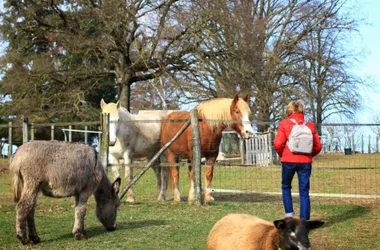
118	104
245	98
102	103
236	98
116	185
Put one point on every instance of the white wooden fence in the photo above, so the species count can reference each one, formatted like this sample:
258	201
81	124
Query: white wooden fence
258	150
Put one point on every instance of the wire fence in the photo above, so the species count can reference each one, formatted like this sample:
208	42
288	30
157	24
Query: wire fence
348	166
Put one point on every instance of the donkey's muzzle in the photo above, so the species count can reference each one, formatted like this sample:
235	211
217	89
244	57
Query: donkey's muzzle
110	229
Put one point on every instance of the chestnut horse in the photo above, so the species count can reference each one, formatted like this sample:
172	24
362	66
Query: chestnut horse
216	114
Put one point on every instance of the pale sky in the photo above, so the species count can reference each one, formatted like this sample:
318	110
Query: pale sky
370	64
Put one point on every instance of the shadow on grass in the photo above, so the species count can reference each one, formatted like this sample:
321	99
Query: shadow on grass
355	212
100	230
247	198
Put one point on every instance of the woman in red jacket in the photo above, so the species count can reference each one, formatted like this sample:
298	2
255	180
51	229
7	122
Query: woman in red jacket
294	162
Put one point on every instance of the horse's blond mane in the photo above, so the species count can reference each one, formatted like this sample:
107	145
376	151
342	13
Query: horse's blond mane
218	110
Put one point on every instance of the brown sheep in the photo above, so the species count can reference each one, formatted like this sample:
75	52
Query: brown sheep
246	232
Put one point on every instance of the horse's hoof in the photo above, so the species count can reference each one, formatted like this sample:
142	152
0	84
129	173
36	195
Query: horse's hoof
177	199
130	200
35	239
161	198
209	198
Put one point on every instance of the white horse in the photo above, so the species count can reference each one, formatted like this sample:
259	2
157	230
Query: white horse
135	136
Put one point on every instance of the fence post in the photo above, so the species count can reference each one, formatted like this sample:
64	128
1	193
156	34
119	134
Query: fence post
377	144
241	148
52	132
362	144
196	157
270	147
32	132
369	144
70	134
353	144
103	149
85	134
10	143
25	131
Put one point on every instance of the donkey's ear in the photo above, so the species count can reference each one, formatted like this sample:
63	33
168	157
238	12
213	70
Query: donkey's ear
102	103
236	98
116	185
246	98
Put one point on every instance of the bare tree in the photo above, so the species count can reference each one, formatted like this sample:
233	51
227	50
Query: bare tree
64	52
252	46
324	79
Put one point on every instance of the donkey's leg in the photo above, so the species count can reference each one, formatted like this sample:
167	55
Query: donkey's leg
25	210
174	173
33	236
209	175
80	212
129	177
163	177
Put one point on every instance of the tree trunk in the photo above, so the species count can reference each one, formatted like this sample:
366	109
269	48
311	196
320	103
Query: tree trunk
125	95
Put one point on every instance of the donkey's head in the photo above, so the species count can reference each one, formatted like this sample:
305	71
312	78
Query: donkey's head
107	204
111	108
294	233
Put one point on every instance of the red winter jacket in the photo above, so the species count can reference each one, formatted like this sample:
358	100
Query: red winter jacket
282	136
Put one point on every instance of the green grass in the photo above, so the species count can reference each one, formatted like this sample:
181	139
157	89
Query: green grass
350	223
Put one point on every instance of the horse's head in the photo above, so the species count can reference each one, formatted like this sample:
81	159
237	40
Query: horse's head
111	108
240	111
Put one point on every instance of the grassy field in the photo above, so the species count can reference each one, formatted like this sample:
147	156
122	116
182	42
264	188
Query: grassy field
350	223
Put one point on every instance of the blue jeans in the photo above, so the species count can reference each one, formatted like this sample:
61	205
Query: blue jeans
303	171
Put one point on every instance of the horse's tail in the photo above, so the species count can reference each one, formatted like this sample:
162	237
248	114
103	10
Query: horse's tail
17	180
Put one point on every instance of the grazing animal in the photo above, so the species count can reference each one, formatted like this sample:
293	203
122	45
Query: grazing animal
135	136
61	169
234	113
246	232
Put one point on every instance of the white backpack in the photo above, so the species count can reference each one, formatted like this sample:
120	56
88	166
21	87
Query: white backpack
300	139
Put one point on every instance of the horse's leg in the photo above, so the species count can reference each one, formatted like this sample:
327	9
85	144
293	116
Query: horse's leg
80	212
209	175
24	212
115	166
157	172
129	176
190	199
174	173
164	178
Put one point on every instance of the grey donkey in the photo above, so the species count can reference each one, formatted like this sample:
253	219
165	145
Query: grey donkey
61	169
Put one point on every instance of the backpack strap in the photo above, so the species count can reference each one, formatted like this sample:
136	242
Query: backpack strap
294	121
